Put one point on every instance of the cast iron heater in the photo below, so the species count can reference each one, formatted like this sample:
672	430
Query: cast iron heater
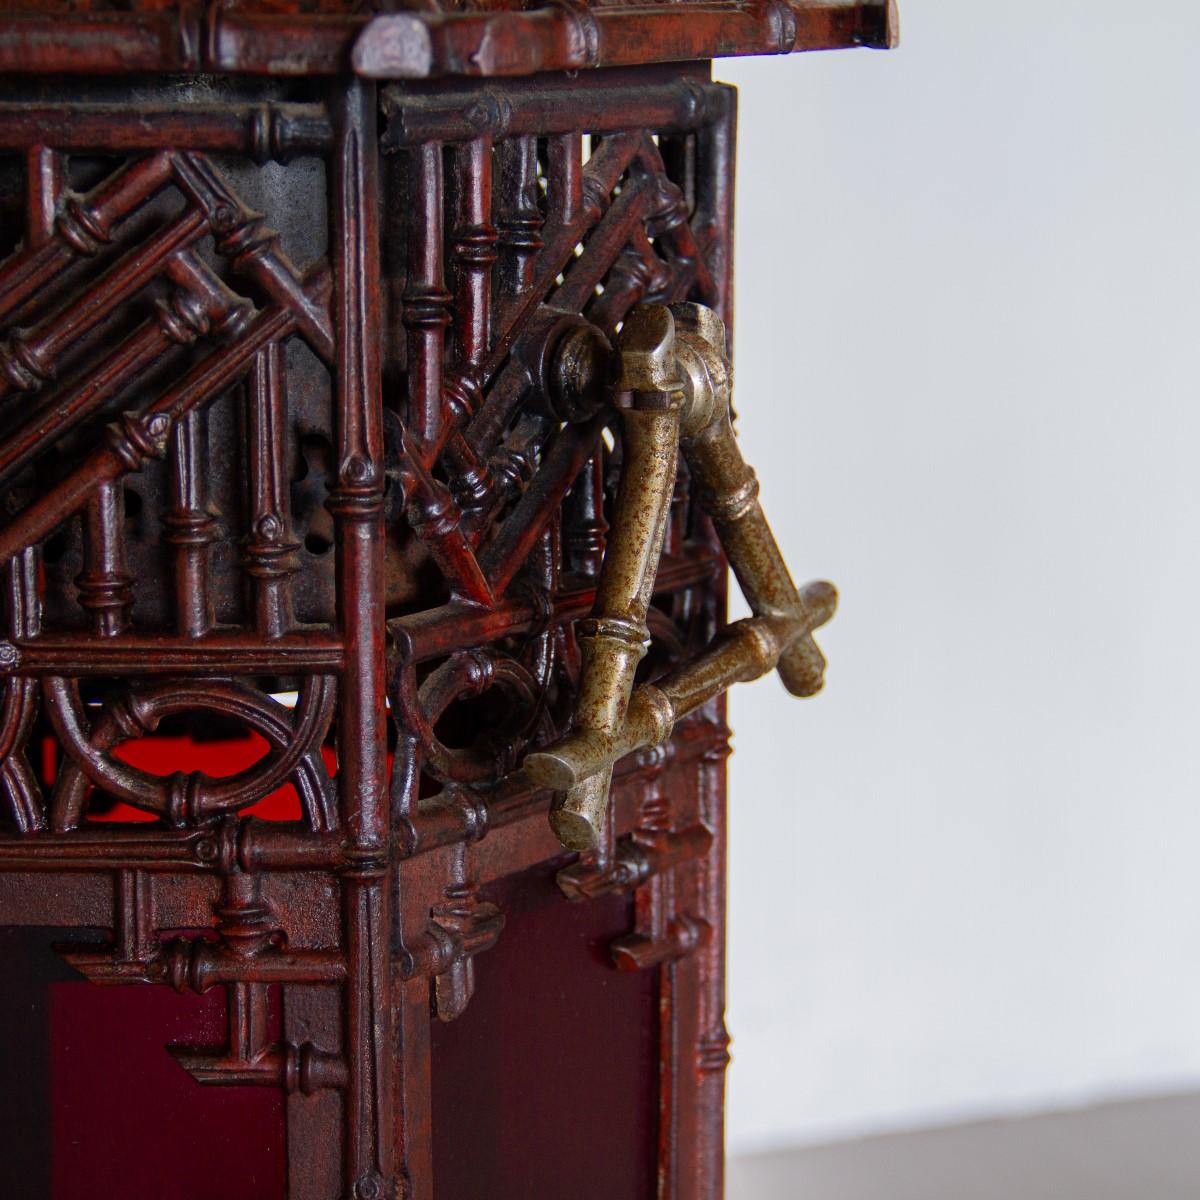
368	480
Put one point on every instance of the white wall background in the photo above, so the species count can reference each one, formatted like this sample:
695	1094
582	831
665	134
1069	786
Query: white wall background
964	879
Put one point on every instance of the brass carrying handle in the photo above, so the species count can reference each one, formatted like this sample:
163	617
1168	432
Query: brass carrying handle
673	363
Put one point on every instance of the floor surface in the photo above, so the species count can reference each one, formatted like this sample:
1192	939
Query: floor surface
1139	1150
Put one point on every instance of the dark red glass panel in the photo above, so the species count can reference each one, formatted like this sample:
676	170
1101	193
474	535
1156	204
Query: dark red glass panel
546	1086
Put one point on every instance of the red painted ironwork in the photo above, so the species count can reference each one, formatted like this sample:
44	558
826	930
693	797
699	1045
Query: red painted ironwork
284	474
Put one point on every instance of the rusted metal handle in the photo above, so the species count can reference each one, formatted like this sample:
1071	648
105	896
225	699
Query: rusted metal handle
727	490
614	638
673	363
744	651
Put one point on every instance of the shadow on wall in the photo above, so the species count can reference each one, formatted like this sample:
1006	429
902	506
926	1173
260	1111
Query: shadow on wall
963	876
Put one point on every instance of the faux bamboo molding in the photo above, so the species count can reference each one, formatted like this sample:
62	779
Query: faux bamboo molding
673	365
217	38
363	397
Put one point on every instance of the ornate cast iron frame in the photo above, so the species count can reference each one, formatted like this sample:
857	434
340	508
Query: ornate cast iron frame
308	470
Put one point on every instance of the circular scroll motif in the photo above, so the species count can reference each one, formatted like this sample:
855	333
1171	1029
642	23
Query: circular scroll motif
494	752
294	742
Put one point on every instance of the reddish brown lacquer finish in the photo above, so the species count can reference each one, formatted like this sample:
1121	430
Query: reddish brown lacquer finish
295	528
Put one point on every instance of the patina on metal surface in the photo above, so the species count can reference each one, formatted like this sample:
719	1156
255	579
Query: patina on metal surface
678	381
345	363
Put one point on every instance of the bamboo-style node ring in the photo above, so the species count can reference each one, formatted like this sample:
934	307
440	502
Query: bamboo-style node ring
674	365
